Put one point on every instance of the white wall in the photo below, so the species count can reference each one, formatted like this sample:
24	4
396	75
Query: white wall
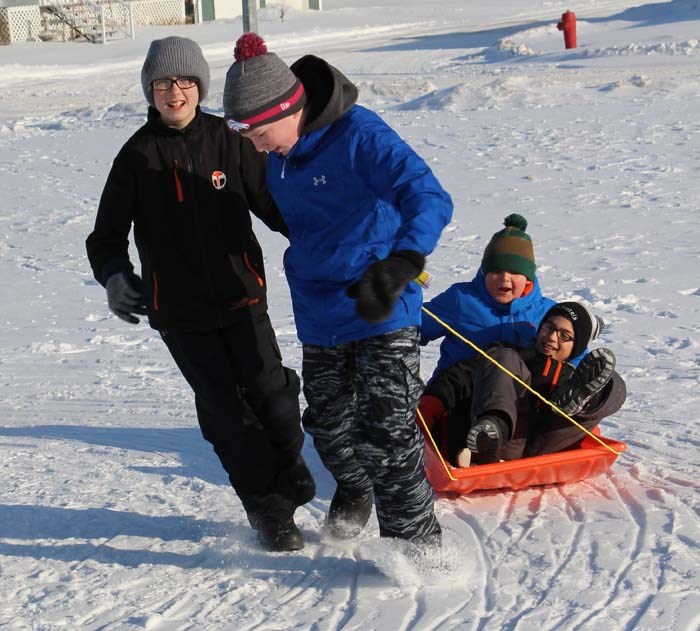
225	9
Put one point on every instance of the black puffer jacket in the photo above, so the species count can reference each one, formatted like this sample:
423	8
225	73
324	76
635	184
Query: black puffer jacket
189	194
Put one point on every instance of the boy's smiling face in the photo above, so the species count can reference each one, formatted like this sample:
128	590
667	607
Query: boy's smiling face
177	106
504	286
556	338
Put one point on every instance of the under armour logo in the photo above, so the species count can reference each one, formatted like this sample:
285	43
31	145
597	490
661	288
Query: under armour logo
319	180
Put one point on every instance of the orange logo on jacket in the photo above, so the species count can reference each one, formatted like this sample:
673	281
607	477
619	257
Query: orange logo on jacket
218	179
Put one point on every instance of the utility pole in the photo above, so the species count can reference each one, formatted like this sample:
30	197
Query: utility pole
250	16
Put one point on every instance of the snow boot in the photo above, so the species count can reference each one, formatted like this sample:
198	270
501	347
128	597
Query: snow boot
487	437
349	513
279	536
590	377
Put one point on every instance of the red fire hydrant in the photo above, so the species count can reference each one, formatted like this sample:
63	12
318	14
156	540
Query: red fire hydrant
568	25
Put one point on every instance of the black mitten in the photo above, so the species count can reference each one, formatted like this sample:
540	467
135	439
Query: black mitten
126	294
383	282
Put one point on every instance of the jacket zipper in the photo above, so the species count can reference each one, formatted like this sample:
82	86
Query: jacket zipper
250	267
178	184
155	291
555	376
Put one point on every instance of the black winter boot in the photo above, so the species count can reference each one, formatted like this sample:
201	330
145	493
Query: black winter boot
487	437
590	377
279	536
348	513
272	516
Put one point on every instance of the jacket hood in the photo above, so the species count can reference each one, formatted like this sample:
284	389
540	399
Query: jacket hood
329	93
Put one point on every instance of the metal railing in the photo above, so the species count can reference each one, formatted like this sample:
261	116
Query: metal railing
95	21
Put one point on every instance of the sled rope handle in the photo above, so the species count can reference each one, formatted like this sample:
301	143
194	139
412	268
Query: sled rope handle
518	380
432	442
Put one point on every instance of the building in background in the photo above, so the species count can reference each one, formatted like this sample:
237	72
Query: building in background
101	20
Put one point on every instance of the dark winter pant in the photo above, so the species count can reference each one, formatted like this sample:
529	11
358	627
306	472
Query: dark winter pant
493	390
362	398
554	433
477	387
247	406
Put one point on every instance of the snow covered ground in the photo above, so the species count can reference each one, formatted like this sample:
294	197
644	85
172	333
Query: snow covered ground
115	514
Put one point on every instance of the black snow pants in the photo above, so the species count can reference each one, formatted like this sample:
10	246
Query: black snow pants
361	404
247	407
476	387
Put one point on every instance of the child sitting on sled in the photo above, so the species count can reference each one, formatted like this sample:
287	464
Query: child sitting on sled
502	303
492	417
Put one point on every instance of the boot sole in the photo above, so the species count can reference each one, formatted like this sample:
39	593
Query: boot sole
579	393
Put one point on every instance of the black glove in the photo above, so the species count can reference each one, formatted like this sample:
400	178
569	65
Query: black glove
383	282
126	294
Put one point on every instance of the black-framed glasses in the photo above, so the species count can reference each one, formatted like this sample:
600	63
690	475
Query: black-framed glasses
562	334
184	83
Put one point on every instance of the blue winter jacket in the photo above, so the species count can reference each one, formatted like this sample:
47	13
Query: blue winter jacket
471	311
351	192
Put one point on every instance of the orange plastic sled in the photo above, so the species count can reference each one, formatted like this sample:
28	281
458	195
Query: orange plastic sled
589	459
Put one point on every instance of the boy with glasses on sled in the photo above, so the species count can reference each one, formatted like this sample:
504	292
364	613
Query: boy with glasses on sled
492	417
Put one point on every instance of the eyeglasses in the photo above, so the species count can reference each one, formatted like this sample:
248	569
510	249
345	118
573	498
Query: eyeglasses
562	334
184	83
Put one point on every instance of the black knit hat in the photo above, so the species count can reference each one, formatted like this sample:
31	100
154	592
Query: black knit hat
510	249
587	327
260	88
174	57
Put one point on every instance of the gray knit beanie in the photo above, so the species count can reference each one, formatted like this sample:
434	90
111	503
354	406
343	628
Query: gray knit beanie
260	88
174	56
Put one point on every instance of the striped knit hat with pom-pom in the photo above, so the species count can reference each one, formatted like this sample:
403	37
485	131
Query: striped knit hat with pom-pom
260	88
510	249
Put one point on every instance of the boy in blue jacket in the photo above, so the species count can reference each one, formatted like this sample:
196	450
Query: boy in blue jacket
363	212
503	303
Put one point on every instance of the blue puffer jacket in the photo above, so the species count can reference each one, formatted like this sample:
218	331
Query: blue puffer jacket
351	192
471	311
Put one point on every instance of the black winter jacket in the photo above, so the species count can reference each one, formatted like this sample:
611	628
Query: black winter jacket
189	194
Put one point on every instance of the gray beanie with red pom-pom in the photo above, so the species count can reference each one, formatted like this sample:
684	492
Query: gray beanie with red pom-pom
260	88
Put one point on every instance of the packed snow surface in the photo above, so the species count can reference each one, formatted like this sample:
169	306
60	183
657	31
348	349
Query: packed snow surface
114	512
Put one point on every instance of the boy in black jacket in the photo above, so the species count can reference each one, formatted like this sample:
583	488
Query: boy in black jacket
492	417
188	185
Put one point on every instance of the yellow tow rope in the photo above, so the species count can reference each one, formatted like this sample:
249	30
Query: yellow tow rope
517	379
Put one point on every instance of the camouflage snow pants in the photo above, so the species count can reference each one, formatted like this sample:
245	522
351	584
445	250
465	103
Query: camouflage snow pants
361	401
